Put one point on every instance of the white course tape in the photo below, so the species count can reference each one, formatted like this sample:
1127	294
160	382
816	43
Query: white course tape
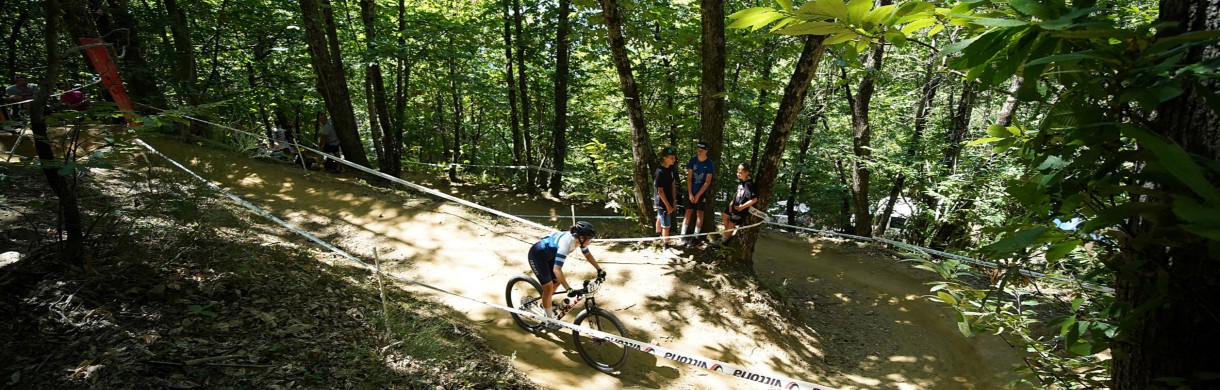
417	187
684	358
766	220
964	259
95	81
763	216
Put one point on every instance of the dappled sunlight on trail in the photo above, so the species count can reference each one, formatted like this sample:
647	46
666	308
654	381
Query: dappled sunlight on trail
860	321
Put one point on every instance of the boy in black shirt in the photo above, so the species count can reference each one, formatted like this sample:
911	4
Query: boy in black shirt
739	208
664	198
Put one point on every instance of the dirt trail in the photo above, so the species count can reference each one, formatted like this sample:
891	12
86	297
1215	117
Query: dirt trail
866	327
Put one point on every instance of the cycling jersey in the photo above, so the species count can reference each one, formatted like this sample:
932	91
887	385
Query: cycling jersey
552	251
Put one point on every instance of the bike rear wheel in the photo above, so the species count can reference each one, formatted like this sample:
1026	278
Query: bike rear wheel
525	294
604	355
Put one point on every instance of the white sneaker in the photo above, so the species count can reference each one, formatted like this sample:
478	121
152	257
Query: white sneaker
552	324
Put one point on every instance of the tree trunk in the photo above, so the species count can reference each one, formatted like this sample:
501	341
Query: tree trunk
456	92
323	42
790	106
526	132
641	146
561	98
391	159
374	128
806	140
514	122
1178	334
959	128
185	71
10	42
711	97
1009	109
862	133
931	81
762	101
65	190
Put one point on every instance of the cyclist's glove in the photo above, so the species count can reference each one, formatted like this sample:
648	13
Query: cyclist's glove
576	292
601	274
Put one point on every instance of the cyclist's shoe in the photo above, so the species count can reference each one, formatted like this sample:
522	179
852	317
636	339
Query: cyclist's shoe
551	324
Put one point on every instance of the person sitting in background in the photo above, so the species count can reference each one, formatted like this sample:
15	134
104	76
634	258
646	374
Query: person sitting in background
738	210
23	92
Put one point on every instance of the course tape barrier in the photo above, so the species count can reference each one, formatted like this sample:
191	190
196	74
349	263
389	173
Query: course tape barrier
414	186
476	206
95	81
655	350
547	170
765	220
964	259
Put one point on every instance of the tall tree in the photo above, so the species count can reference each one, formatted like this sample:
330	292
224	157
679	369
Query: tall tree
1174	288
641	144
186	73
513	121
10	42
862	133
323	42
711	94
959	127
455	92
561	98
927	92
522	82
777	141
391	162
817	115
65	190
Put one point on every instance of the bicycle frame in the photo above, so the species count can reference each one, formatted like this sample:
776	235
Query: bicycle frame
589	299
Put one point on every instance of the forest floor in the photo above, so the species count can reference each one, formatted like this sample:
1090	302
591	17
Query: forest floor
825	311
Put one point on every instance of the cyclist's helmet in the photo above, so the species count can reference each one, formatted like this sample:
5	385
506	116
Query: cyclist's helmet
583	228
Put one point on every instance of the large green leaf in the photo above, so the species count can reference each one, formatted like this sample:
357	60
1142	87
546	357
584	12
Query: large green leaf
754	18
917	25
1070	57
1060	249
985	48
840	38
879	15
815	28
785	5
994	22
858	9
822	9
1016	241
1114	215
1176	161
1035	8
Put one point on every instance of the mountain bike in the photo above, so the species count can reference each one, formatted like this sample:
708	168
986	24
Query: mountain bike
525	294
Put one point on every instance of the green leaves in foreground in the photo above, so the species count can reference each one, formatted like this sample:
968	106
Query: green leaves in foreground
852	21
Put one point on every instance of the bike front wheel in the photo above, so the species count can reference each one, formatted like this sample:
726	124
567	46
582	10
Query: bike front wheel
605	355
525	294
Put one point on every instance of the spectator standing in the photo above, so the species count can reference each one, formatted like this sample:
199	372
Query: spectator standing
699	172
665	200
329	139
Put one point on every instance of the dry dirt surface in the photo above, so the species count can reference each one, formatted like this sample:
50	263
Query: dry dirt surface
848	316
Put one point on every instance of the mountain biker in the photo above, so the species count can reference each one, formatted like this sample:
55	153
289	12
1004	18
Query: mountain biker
547	258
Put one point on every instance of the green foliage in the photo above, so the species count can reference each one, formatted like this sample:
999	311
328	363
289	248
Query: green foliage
202	310
1095	157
